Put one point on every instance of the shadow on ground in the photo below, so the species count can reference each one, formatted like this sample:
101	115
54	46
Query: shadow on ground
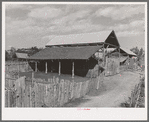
76	102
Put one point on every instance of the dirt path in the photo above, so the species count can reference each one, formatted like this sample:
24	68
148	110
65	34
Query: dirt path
115	90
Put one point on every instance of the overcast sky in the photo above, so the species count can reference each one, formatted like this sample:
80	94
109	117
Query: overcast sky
30	25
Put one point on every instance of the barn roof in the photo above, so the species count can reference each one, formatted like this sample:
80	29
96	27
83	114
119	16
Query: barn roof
22	55
85	38
122	49
83	52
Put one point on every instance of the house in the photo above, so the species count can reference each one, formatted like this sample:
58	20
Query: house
22	56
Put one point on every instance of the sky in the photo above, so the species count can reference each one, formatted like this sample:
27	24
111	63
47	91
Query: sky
28	25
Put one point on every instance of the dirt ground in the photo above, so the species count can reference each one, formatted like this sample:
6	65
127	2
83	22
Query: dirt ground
114	91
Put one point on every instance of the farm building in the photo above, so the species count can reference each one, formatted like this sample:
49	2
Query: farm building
21	56
81	54
77	54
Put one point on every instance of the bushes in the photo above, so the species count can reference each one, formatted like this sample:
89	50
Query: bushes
137	98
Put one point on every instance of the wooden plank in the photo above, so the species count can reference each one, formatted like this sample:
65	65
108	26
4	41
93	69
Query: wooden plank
9	98
39	104
60	94
86	87
19	99
12	98
75	90
57	91
36	94
68	89
6	98
26	95
52	95
81	89
23	96
78	90
48	95
42	93
33	94
63	92
30	96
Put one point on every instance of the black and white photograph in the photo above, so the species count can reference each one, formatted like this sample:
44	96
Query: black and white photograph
81	58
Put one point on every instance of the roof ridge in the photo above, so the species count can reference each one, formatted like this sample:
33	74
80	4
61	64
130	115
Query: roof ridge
82	33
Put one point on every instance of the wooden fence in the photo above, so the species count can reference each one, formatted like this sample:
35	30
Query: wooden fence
112	66
55	92
137	95
17	66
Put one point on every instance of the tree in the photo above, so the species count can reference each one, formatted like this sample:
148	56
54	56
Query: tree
139	53
12	53
135	50
7	56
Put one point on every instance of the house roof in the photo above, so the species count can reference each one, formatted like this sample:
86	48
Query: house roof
122	49
86	38
83	52
22	55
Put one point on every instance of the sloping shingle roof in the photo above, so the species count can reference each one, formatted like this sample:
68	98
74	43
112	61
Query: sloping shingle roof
80	38
127	51
22	55
83	52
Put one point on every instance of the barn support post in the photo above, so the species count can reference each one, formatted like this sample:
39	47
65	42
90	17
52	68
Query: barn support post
103	55
59	68
18	69
36	66
46	67
98	75
73	69
119	61
32	77
107	55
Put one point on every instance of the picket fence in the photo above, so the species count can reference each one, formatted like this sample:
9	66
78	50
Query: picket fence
55	92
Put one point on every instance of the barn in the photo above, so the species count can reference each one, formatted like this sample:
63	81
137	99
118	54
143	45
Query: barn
77	54
22	56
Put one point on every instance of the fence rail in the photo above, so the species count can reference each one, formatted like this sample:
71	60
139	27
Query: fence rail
17	66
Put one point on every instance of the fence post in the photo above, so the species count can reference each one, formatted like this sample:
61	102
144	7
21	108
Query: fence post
138	95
